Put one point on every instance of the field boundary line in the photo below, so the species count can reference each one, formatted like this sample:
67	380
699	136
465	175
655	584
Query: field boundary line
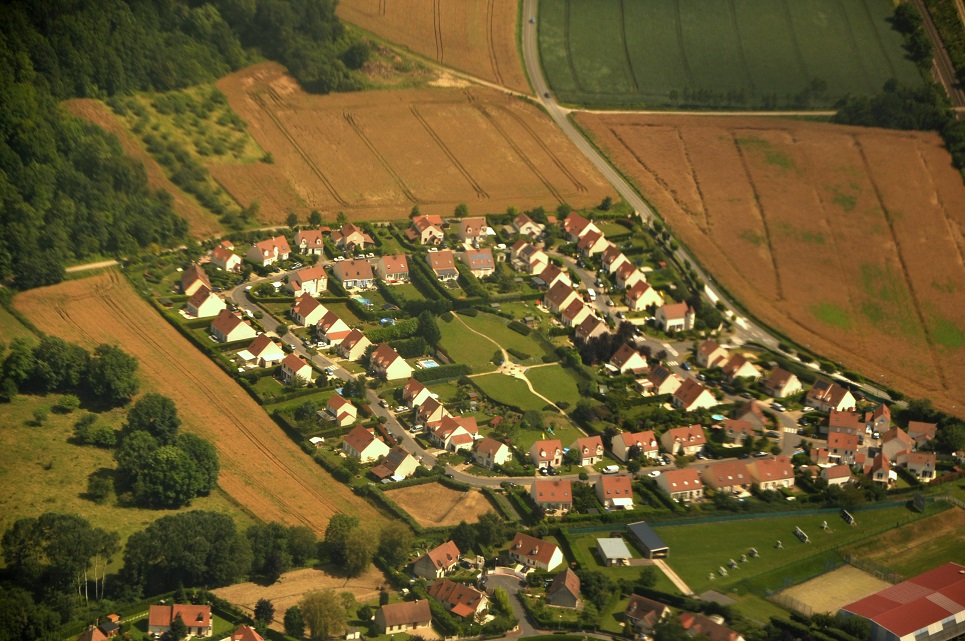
881	45
854	42
679	28
631	76
437	27
480	192
732	10
568	48
350	119
901	261
941	203
490	40
693	177
794	42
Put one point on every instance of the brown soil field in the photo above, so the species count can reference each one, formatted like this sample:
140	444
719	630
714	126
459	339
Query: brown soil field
290	588
201	224
830	591
432	504
848	240
375	154
263	183
261	469
475	36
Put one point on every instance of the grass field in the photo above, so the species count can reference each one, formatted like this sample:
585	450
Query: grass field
467	348
739	53
555	383
497	329
11	328
509	391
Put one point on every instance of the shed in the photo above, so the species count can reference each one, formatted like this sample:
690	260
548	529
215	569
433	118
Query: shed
613	551
652	545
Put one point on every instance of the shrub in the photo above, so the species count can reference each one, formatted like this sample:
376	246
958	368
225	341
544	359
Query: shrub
516	326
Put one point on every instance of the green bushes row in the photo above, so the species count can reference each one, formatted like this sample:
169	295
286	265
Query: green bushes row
454	370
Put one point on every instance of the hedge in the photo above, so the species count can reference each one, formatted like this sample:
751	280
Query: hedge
401	329
410	347
499	501
516	326
454	370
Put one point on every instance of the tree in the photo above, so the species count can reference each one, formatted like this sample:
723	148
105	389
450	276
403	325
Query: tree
341	219
461	210
205	456
294	624
59	365
533	420
156	415
270	546
302	544
264	611
950	438
323	613
314	218
670	629
605	204
291	220
170	479
336	536
395	542
178	629
428	329
360	547
20	363
111	376
21	619
99	488
133	454
414	212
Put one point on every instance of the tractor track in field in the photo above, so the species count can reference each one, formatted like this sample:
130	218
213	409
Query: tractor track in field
569	50
357	128
480	192
437	28
631	76
580	187
491	40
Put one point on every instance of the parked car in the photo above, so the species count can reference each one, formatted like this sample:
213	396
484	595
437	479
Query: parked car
760	454
685	366
654	474
773	434
777	407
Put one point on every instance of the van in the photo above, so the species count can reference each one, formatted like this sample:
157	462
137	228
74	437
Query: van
611	469
591	294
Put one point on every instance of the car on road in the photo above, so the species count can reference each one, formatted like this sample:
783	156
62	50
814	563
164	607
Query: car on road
532	20
546	95
760	454
508	484
654	474
611	469
449	475
542	471
685	366
296	266
773	434
807	408
777	407
415	429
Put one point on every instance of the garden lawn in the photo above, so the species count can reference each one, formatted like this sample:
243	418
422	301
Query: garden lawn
701	548
555	383
509	391
407	291
496	328
561	429
465	347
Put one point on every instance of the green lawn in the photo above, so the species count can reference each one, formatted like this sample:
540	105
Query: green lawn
11	328
496	328
465	347
555	383
407	291
509	391
698	549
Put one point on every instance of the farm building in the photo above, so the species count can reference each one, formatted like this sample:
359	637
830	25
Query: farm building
627	445
386	363
928	607
653	546
532	552
437	562
564	591
589	449
364	445
461	600
399	617
613	551
615	491
228	327
490	453
643	613
197	618
443	264
552	494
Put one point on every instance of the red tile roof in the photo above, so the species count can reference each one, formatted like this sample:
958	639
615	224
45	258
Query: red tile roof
530	547
552	491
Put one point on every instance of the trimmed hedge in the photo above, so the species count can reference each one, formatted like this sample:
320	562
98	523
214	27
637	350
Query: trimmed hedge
520	328
454	370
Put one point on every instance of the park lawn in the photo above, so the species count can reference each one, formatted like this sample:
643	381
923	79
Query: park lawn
509	391
555	383
701	548
467	348
11	328
41	471
496	329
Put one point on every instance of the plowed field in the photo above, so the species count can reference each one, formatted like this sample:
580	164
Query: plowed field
261	469
433	505
375	154
201	224
849	240
475	36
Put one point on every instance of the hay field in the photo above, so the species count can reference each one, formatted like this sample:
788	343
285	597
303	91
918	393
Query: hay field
830	591
849	240
261	469
475	36
375	154
433	505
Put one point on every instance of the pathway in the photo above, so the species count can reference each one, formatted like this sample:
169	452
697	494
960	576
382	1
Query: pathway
676	580
87	266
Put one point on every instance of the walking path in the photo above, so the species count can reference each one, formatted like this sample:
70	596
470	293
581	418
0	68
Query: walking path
85	267
676	580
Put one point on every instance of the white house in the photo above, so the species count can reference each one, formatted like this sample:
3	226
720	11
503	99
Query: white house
641	296
364	445
307	311
311	280
294	366
589	449
228	327
532	552
547	453
642	444
331	329
341	410
310	242
353	346
268	252
354	274
204	304
490	453
225	259
386	363
676	317
393	268
626	359
691	396
682	485
687	440
264	351
479	261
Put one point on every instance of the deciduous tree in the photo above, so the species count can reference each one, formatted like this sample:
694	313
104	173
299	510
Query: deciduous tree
323	613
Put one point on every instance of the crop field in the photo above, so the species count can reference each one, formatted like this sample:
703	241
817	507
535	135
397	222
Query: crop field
735	53
261	469
848	240
375	154
475	36
432	504
830	591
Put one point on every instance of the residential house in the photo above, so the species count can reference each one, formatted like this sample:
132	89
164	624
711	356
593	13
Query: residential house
627	359
437	562
691	396
426	229
564	591
226	259
332	330
415	393
698	625
731	476
772	473
663	381
354	274
386	363
264	351
310	242
642	296
443	265
850	422
552	275
472	229
397	465
431	412
781	383
630	445
204	304
589	449
576	226
615	491
454	433
737	431
194	278
677	317
461	600
350	238
642	614
879	419
710	354
738	366
591	327
613	551
268	252
686	441
528	258
393	268
92	633
547	453
311	280
559	297
490	453
836	474
842	446
880	470
921	464
612	259
341	410
228	327
197	619
245	633
681	485
354	345
921	432
825	396
293	366
592	243
628	277
575	313
752	413
479	261
526	226
405	615
895	442
307	311
364	445
532	552
552	494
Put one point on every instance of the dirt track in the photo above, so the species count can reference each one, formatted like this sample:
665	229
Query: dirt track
261	469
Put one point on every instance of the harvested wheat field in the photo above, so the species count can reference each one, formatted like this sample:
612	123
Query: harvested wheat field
261	469
849	240
375	154
830	591
201	224
432	504
475	36
290	588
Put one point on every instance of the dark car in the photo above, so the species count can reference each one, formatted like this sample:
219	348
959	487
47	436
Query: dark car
507	485
543	471
685	366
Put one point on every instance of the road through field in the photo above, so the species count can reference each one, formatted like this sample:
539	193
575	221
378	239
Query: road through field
261	469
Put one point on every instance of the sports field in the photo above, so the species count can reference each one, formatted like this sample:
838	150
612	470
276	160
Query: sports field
706	53
830	591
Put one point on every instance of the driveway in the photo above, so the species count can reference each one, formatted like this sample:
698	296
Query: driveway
511	585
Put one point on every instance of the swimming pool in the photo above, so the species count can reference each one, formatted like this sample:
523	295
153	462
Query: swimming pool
362	299
427	363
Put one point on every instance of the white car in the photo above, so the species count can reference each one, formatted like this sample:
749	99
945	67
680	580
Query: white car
654	474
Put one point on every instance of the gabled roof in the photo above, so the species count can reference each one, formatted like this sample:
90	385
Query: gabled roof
395	263
312	237
222	254
589	239
359	438
198	298
836	472
294	362
523	219
552	491
309	274
922	431
480	258
441	261
354	270
328	321
623	354
406	612
728	473
423	223
565	581
846	420
384	356
638	290
443	556
558	293
490	446
646	439
391	463
687	435
532	548
462	599
699	624
412	388
192	615
451	423
681	480
260	344
226	321
588	444
246	633
689	391
897	434
352	339
843	441
921	459
640	607
546	449
193	274
826	391
773	469
589	327
676	311
92	634
575	224
573	310
269	247
779	378
305	305
615	486
477	223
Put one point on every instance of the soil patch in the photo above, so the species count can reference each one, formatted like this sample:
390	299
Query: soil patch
830	591
433	505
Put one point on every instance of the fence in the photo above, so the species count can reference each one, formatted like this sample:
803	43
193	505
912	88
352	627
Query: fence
876	569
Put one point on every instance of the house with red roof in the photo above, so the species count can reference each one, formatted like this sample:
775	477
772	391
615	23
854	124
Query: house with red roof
526	226
615	491
224	258
576	226
386	363
490	453
197	619
527	258
559	297
310	242
263	350
472	229
354	274
772	473
921	464
879	419
552	494
691	396
589	449
590	328
454	433
532	552
921	432
397	465
437	562
443	264
641	296
293	366
731	476
612	259
880	470
642	614
426	229
194	278
896	442
682	485
739	366
676	317
479	261
393	268
663	381
364	445
354	345
311	280
307	311
546	453
564	591
552	275
204	304
628	360
229	326
842	446
415	393
707	628
737	431
592	243
825	396
350	238
461	600
848	422
431	412
403	616
331	329
781	383
341	410
246	633
710	354
836	474
268	252
575	313
626	445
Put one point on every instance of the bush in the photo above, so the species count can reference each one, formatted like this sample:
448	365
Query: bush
518	354
454	370
67	404
516	326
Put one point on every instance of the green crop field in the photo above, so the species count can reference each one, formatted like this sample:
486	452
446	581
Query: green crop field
11	328
719	53
555	383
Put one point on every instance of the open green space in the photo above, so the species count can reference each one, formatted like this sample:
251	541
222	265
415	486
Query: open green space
509	391
467	348
711	53
497	329
555	382
11	328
